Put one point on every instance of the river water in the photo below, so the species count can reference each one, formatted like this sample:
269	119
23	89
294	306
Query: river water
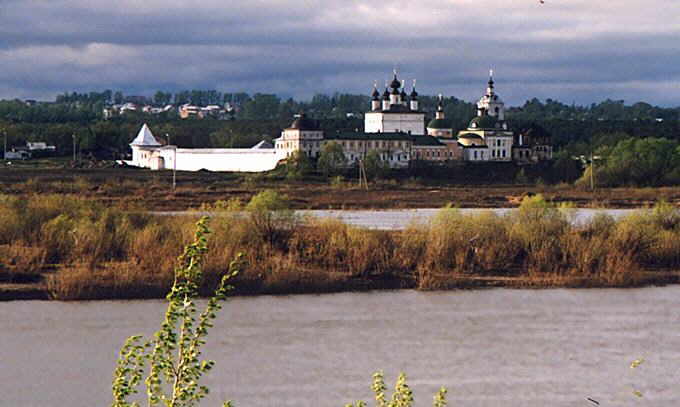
395	219
492	348
400	218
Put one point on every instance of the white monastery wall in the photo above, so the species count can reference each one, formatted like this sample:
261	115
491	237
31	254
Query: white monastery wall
227	159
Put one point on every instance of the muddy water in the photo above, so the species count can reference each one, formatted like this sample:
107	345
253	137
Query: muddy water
490	348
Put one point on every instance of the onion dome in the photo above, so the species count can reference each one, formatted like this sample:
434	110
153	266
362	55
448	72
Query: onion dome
484	122
414	94
395	82
375	94
302	122
403	94
386	94
439	124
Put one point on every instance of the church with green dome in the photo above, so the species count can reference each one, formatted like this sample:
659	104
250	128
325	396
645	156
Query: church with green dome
487	137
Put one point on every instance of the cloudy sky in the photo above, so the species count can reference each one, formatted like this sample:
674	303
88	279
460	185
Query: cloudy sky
579	51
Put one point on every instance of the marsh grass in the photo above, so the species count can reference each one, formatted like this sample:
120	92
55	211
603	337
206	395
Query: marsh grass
21	263
103	252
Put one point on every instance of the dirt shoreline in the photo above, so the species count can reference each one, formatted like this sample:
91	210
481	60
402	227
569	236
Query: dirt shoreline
39	291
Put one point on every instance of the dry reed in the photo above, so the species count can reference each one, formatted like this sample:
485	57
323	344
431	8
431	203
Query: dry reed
106	253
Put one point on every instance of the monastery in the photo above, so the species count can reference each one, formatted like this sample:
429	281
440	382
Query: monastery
394	128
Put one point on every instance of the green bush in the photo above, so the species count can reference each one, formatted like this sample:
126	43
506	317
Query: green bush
171	361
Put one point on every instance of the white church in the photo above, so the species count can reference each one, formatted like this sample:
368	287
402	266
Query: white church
394	128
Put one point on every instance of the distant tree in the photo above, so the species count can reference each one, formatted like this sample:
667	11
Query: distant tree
262	107
321	105
298	165
182	97
108	95
162	98
375	166
288	109
331	159
641	162
565	168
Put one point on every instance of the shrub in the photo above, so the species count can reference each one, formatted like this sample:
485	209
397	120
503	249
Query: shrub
270	215
172	360
298	165
401	397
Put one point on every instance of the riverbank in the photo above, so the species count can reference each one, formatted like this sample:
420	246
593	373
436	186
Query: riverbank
152	190
74	249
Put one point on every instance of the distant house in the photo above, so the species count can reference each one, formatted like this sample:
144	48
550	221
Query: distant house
128	107
201	112
40	146
186	111
16	154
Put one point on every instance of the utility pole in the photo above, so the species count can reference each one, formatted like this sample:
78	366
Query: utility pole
363	179
74	147
592	172
4	151
174	164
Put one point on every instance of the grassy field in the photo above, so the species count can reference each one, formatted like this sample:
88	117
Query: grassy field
73	247
152	190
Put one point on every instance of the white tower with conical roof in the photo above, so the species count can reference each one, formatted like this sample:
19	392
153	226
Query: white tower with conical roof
143	147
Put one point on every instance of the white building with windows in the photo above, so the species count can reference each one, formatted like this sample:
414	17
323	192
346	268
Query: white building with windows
487	137
302	135
396	111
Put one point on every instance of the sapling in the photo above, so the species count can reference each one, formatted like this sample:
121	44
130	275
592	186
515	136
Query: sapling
170	364
401	397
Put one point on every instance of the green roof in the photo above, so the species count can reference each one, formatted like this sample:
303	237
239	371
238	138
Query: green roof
484	122
426	141
439	124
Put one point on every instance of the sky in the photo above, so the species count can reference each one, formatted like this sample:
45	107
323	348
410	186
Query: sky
575	51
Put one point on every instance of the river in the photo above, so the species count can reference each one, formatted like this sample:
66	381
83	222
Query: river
395	219
490	348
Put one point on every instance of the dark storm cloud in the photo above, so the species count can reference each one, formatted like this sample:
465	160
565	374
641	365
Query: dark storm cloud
576	51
